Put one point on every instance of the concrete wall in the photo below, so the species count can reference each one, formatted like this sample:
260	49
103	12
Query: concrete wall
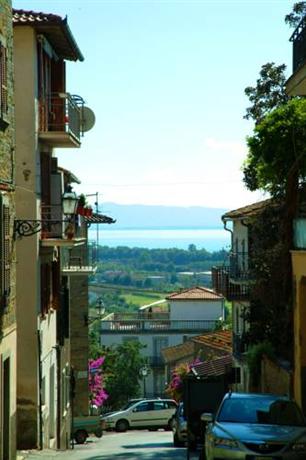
8	358
196	310
275	379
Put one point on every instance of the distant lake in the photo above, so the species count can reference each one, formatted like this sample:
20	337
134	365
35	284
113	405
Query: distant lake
203	238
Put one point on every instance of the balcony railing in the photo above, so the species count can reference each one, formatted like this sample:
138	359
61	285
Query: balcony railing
60	120
151	326
78	261
221	283
54	225
299	45
239	266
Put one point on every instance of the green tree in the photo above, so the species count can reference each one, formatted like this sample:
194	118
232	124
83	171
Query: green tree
277	149
298	12
268	93
122	372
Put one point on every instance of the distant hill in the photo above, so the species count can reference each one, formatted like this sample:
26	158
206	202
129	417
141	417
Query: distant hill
144	216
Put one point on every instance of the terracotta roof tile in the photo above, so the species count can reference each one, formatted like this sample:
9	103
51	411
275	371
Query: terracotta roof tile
54	28
178	352
32	17
221	340
214	367
96	218
250	210
195	293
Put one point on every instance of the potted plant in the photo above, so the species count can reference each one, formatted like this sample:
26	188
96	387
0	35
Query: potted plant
81	205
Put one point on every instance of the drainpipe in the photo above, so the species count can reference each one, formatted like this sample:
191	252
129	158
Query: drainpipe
40	446
58	381
228	230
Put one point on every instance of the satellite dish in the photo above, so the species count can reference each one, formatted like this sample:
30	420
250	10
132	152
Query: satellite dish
88	119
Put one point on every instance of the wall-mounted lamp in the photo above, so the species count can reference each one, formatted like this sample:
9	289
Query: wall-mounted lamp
28	227
100	310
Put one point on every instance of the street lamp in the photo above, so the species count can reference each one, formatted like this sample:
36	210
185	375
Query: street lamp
144	373
28	227
100	310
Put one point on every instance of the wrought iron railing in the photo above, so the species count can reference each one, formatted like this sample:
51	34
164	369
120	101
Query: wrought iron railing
299	44
55	225
78	258
239	266
60	112
221	283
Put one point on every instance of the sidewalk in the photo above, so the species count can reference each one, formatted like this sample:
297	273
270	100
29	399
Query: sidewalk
47	454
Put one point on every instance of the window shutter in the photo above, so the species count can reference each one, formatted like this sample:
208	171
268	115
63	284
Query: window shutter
3	78
6	258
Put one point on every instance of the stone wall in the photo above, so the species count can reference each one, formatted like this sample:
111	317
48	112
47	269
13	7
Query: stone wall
275	378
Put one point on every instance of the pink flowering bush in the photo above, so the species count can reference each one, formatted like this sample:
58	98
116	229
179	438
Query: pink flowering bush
97	394
176	386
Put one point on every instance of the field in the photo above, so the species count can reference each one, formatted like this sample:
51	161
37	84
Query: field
132	296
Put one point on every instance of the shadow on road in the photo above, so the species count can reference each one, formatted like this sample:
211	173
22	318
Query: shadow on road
156	445
166	455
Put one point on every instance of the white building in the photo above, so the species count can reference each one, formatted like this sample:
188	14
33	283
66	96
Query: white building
191	312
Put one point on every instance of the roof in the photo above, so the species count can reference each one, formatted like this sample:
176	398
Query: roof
195	293
97	218
54	28
70	176
221	340
214	367
178	352
250	210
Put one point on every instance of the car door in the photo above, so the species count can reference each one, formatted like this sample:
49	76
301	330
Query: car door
140	414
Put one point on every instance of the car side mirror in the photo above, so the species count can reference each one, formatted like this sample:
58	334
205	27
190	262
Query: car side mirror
207	417
134	410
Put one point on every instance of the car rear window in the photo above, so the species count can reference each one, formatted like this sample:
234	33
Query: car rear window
262	411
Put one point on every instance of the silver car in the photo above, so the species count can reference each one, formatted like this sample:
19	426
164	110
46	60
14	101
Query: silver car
255	427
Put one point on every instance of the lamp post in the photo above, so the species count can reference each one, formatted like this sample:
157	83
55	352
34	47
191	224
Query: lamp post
144	373
100	310
28	227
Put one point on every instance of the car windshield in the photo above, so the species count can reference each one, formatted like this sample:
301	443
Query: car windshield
129	404
261	410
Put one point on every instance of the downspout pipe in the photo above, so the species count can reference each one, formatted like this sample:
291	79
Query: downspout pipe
228	230
40	391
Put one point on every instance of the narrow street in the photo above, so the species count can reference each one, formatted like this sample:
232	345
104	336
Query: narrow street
132	445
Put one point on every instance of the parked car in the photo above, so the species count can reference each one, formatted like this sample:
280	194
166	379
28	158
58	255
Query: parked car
179	426
257	427
149	413
84	426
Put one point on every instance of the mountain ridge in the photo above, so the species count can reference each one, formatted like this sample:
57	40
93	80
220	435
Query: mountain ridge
157	216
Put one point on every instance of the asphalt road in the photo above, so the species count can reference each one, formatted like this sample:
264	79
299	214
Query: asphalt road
132	445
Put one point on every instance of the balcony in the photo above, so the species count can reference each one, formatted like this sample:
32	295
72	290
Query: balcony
56	231
239	267
78	261
155	324
60	120
222	283
296	85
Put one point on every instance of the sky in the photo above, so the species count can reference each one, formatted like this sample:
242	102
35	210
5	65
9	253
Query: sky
166	82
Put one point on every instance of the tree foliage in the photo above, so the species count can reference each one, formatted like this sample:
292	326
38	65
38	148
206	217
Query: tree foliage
268	93
122	372
277	148
298	12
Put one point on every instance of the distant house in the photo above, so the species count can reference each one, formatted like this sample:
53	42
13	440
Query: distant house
197	303
206	346
192	312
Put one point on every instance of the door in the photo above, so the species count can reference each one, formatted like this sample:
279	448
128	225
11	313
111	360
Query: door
6	409
141	414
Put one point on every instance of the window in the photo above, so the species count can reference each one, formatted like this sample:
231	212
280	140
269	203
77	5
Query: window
5	271
3	84
143	407
158	405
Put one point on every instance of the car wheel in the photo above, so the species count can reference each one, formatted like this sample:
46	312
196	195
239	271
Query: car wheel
122	425
177	442
169	426
80	436
99	433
